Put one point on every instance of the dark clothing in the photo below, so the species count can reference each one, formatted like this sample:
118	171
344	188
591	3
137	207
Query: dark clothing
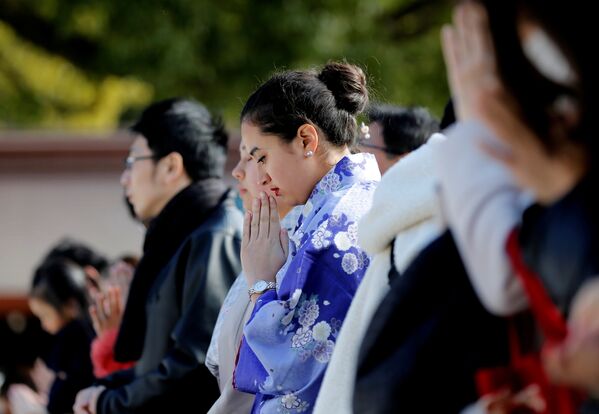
181	307
70	360
166	233
560	242
427	339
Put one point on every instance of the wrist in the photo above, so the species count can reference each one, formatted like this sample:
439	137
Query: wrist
261	286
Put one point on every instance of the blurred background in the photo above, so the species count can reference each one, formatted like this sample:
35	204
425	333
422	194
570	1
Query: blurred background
75	73
91	64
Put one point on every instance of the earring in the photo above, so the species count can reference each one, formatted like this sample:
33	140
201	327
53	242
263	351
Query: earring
309	154
365	130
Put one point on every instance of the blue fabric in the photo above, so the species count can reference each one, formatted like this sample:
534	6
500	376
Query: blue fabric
291	334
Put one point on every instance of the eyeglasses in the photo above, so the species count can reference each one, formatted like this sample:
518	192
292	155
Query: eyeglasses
378	147
130	160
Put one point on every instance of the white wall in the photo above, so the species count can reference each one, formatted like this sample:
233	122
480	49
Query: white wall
37	209
57	186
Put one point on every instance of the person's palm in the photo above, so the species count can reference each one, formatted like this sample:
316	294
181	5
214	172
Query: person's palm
107	310
480	95
264	246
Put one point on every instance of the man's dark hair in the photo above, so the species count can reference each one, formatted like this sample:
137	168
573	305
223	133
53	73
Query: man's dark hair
403	129
448	117
187	127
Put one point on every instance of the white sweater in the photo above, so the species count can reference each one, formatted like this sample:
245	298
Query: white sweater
405	208
481	204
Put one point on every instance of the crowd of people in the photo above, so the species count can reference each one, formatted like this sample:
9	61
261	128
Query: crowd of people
461	281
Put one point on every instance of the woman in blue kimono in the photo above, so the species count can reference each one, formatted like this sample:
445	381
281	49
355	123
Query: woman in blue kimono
300	127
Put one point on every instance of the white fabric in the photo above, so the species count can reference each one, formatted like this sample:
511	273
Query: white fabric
405	208
482	205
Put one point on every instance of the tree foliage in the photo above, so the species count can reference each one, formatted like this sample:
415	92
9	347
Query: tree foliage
93	63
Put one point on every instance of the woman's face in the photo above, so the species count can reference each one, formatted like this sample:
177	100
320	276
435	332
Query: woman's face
52	321
281	168
247	174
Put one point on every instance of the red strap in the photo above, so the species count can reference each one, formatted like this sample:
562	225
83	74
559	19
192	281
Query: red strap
560	399
549	318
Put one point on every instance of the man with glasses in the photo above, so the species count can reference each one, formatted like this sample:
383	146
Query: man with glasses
396	131
173	178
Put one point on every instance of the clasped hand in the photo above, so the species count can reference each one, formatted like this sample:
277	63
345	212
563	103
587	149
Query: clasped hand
264	246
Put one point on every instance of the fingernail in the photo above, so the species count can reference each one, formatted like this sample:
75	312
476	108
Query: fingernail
262	195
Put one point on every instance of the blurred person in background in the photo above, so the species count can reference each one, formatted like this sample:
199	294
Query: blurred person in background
394	131
92	262
403	219
107	286
174	180
106	312
58	297
520	72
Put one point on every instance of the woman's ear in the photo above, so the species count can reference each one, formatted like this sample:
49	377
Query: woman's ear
309	139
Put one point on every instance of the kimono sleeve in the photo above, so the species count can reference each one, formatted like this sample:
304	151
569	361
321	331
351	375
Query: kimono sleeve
291	335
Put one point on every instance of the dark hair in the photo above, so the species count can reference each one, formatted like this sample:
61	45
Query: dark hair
78	253
448	117
403	129
186	127
329	99
572	27
58	282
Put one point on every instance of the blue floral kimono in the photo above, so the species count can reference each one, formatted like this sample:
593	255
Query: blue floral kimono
291	334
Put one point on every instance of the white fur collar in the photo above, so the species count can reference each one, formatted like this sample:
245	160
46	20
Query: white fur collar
404	198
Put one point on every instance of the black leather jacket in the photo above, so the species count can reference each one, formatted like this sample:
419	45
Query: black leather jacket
181	310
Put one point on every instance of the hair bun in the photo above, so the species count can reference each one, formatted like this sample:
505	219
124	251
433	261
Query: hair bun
348	84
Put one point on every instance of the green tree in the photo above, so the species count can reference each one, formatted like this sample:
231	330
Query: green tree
217	52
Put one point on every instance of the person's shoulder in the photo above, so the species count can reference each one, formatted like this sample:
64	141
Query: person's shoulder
226	218
353	201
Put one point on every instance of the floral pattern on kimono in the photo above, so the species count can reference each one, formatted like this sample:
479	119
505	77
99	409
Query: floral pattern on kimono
291	334
238	291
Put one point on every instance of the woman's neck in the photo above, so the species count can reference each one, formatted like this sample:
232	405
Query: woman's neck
331	156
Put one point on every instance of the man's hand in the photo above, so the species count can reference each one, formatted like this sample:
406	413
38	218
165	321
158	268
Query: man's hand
86	400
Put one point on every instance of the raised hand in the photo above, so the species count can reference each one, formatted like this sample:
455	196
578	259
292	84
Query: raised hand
471	65
107	310
480	95
264	247
527	400
120	274
86	400
576	361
